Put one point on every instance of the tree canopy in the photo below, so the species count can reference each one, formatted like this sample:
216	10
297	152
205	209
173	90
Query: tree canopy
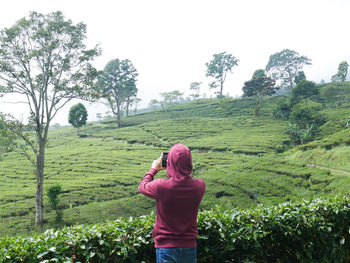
77	115
196	88
303	90
44	59
258	73
284	66
299	77
342	72
259	87
218	67
116	85
170	98
154	103
130	95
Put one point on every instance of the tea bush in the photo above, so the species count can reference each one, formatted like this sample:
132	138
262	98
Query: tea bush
306	231
236	151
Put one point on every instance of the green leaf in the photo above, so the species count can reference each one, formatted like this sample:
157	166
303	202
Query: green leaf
42	254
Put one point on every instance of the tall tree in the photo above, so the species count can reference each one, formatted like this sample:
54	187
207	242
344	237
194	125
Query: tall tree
285	65
299	77
342	72
195	87
44	59
303	90
155	104
218	68
258	73
259	86
170	98
136	102
131	93
77	116
116	84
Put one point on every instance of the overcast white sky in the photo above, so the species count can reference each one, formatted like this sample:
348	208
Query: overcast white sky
169	42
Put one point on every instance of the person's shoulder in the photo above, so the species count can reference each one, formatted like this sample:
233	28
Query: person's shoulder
199	181
161	180
200	186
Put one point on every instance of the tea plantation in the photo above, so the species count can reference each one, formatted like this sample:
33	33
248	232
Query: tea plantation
244	160
308	231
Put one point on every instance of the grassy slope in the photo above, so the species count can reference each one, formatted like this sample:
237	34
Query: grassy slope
332	148
234	152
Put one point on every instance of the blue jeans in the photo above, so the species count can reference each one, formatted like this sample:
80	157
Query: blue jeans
176	255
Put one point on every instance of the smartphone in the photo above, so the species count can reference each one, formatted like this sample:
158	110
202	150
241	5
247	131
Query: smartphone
164	159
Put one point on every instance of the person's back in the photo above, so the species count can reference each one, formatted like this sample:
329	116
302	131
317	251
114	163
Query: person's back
177	204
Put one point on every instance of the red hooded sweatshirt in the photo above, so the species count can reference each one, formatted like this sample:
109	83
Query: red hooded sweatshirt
177	200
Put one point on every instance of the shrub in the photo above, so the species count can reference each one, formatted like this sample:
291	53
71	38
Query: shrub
333	95
315	231
282	109
307	231
301	136
304	115
304	90
304	120
52	194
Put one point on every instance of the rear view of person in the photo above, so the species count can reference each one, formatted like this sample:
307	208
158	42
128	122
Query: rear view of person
177	203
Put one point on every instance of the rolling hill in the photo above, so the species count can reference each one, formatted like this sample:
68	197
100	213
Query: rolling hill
244	160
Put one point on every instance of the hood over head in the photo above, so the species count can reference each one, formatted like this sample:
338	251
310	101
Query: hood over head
179	163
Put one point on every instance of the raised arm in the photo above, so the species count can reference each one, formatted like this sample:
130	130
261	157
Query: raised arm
147	186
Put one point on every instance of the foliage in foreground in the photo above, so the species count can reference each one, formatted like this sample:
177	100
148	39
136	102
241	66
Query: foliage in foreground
308	231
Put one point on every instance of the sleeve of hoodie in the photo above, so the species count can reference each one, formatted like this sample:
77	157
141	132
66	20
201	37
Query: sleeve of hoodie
148	186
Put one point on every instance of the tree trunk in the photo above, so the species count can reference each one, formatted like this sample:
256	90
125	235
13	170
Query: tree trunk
118	115
291	83
39	197
221	88
127	109
78	131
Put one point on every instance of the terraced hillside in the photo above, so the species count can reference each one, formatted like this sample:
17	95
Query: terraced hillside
239	156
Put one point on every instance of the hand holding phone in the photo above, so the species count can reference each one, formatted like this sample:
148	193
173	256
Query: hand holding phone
164	159
157	164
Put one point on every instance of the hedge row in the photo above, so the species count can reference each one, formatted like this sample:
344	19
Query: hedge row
307	231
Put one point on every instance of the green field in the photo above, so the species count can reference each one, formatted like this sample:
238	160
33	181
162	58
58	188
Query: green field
244	160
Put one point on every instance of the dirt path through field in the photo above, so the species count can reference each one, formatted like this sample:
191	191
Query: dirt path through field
327	168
